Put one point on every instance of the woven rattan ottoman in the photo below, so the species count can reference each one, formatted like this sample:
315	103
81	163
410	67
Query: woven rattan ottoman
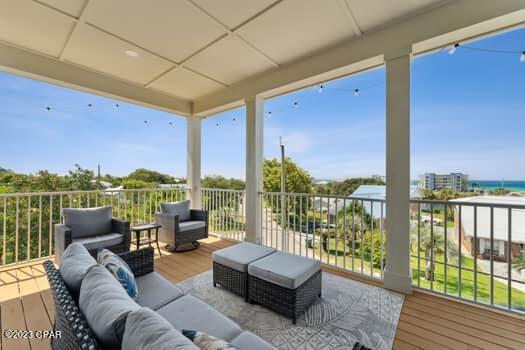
230	266
285	283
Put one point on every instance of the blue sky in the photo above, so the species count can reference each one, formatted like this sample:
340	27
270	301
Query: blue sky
468	115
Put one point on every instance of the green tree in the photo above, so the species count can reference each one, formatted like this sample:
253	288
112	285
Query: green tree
519	264
346	187
499	192
151	176
217	181
137	184
298	180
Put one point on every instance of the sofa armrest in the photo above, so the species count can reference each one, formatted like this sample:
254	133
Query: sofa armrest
169	222
63	238
199	215
123	227
140	261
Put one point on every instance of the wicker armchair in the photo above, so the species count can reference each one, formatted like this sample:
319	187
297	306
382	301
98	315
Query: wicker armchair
182	227
93	227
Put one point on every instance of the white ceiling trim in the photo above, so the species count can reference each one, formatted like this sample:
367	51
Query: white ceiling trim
453	16
351	18
37	66
78	23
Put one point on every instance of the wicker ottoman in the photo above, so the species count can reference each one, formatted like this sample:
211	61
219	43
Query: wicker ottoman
285	283
230	266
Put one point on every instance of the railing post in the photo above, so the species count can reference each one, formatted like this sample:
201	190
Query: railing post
193	167
397	270
254	166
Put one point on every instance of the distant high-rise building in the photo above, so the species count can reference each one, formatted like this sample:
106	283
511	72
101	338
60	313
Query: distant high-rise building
455	181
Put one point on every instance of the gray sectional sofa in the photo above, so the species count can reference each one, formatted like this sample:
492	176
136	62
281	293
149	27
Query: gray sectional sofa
102	318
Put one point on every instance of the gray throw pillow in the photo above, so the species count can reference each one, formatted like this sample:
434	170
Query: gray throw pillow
75	263
103	301
88	222
147	330
182	209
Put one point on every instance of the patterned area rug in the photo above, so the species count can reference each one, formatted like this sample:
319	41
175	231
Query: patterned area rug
349	311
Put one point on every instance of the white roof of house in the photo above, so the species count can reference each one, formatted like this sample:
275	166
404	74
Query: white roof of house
501	217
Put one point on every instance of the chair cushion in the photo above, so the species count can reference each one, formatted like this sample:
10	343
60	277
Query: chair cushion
248	340
181	208
103	301
155	291
147	330
75	263
191	225
120	270
95	243
188	312
284	269
206	341
88	222
240	255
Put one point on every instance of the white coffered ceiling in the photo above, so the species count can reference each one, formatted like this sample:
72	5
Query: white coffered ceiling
190	48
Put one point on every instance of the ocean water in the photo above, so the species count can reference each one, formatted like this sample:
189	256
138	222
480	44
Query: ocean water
493	184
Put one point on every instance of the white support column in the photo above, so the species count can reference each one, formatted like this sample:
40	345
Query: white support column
254	166
397	270
193	160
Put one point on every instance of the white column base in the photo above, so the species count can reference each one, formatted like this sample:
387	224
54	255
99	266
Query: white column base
397	282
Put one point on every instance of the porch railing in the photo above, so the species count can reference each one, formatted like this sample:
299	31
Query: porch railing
469	250
27	219
226	212
345	232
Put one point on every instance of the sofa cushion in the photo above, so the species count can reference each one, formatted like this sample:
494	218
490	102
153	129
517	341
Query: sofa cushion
240	255
120	270
88	222
248	340
155	291
103	301
207	342
191	225
147	330
95	243
188	312
284	269
181	208
75	263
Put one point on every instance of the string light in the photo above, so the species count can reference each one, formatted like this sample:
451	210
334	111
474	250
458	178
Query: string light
170	123
522	57
269	114
320	89
117	106
145	123
233	119
48	109
217	125
296	104
356	92
453	49
90	105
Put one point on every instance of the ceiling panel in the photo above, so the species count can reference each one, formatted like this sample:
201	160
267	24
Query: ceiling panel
229	60
72	7
372	14
173	29
35	26
97	50
295	28
184	83
234	12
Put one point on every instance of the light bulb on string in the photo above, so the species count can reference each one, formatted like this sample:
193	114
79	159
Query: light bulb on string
233	119
356	92
522	57
217	125
48	109
90	105
320	89
296	104
269	114
145	123
117	106
170	123
453	49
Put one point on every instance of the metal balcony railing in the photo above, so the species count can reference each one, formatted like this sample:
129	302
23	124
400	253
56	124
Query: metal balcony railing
226	212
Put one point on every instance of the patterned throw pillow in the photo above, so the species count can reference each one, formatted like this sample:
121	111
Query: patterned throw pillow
207	342
120	270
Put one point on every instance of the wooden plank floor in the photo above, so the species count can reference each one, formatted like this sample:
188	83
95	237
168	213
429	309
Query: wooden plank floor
427	321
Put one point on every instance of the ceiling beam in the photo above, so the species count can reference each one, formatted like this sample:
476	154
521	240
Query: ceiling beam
450	17
37	66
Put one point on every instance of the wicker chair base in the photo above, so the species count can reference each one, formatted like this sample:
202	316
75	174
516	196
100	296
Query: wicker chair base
231	279
291	303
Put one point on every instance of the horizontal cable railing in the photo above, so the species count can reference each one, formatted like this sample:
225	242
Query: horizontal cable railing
345	232
470	250
226	212
27	219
